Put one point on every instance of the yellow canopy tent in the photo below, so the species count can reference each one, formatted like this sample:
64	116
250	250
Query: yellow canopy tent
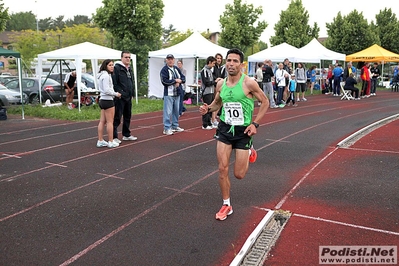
374	53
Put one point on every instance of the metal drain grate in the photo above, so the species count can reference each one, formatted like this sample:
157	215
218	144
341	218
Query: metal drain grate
267	238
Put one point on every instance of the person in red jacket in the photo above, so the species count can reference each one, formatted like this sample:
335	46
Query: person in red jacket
366	83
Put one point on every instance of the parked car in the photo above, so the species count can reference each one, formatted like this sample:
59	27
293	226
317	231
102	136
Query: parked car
87	79
50	90
4	79
11	97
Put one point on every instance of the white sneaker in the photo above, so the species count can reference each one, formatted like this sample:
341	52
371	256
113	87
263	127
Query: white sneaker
117	140
112	144
207	128
168	132
215	124
129	138
304	100
177	129
101	143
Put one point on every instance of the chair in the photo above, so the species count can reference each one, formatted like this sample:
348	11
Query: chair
346	94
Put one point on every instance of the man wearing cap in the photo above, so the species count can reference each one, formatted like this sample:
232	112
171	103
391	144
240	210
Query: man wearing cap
172	79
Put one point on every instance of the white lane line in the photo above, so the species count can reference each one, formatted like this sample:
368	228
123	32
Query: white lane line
284	199
337	222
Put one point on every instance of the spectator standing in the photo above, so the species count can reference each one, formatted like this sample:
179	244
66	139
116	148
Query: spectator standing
267	85
122	79
347	71
171	79
70	84
182	108
337	74
281	77
106	104
375	74
330	78
286	66
291	88
208	91
365	76
312	78
236	128
300	78
259	75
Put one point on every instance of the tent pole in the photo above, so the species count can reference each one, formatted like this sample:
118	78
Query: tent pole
196	80
20	85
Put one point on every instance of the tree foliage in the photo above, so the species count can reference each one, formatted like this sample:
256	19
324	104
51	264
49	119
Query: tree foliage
177	37
27	21
350	34
387	28
21	21
30	43
78	20
166	34
135	26
240	26
4	16
293	27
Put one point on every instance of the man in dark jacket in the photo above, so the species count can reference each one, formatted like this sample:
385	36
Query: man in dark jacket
122	79
172	79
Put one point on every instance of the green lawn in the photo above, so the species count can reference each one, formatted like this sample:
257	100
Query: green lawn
87	112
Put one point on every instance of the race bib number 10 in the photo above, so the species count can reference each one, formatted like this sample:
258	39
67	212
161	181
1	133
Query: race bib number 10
233	114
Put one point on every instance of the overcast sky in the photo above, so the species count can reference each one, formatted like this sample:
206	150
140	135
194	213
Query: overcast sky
204	14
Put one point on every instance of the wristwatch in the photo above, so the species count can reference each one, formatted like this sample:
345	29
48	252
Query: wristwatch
255	124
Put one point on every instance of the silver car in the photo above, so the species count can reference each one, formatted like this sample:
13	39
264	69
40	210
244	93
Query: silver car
11	97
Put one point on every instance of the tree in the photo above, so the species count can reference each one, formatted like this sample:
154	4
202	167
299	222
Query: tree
4	16
167	32
137	29
257	47
293	27
21	21
77	20
238	25
387	27
57	23
177	37
350	34
30	43
45	24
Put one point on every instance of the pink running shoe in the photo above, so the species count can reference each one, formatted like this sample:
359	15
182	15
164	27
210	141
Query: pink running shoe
224	212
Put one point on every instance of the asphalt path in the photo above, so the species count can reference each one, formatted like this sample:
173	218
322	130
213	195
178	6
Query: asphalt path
153	201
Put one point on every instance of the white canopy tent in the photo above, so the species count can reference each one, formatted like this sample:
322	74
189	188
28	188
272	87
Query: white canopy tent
314	51
275	53
81	51
190	50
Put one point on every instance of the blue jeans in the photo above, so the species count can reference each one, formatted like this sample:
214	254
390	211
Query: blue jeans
181	105
171	110
374	82
280	93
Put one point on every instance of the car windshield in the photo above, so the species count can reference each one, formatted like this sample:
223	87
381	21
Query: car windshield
88	77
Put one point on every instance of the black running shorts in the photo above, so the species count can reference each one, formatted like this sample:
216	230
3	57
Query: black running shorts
106	104
239	140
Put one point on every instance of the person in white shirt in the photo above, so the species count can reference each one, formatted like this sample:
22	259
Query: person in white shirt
106	104
280	77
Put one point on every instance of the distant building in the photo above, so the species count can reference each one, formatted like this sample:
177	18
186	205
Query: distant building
7	64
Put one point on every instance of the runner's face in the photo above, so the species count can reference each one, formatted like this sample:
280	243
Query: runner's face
233	64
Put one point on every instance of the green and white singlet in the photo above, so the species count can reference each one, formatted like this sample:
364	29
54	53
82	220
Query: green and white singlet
237	107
